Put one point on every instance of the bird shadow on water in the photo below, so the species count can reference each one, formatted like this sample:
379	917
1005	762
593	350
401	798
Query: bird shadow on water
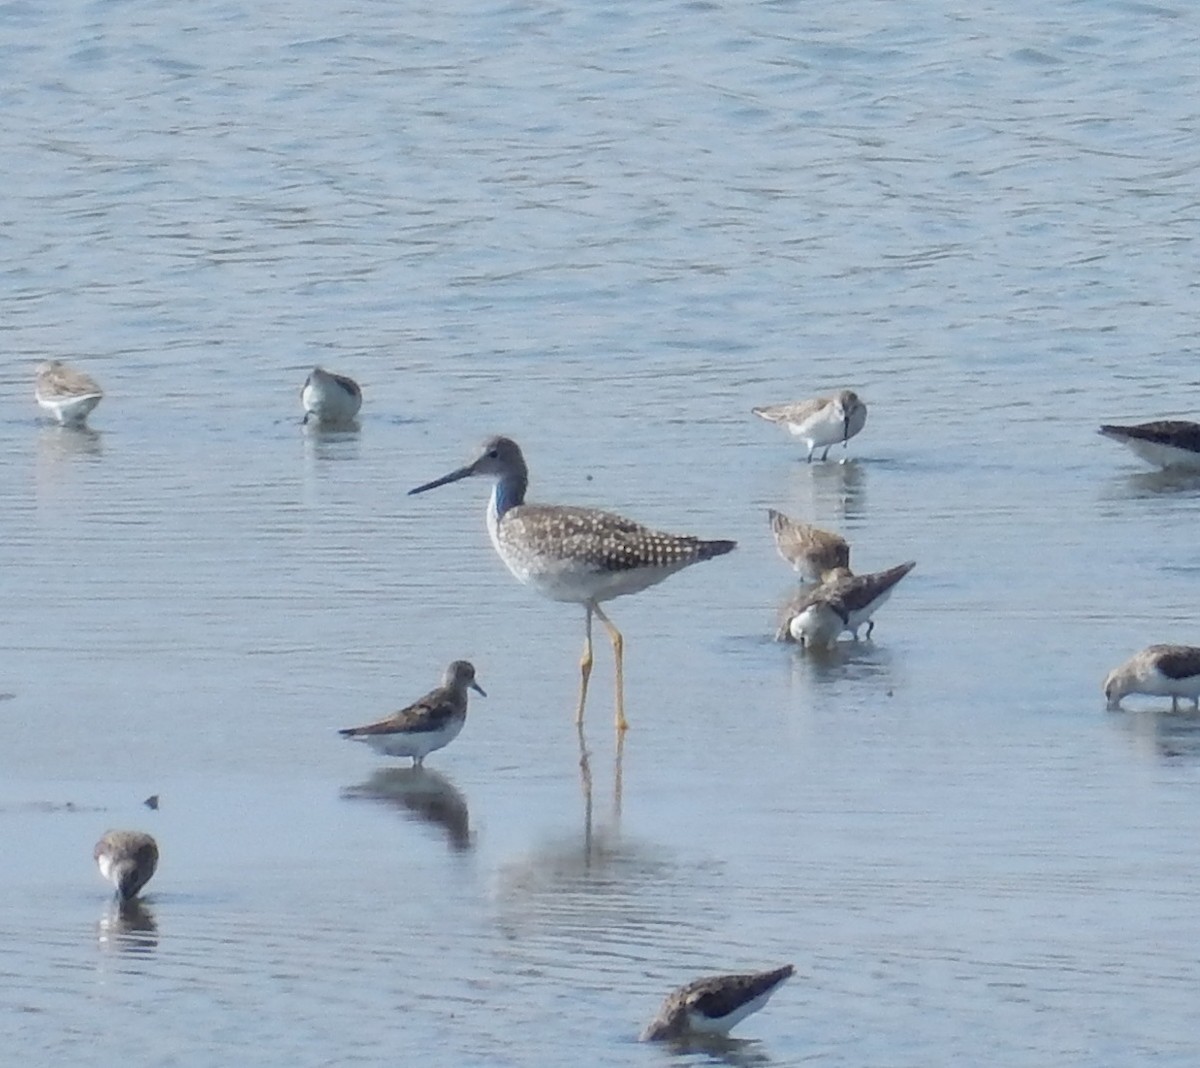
127	927
424	795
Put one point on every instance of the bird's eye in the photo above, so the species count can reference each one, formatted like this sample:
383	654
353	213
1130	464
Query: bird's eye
493	454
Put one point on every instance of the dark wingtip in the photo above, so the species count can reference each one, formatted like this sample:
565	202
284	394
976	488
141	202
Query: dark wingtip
347	732
717	548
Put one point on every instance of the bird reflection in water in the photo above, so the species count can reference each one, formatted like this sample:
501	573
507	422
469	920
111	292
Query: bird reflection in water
128	927
1160	735
426	795
833	492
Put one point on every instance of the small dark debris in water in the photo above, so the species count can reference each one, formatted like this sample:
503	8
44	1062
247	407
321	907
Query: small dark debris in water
151	801
587	478
52	806
891	693
7	696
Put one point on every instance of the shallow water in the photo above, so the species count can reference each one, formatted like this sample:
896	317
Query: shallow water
608	232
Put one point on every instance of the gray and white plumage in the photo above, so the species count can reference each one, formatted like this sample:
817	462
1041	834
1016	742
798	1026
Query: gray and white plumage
811	551
1165	442
578	555
68	394
127	859
1158	671
715	1004
820	422
426	725
330	399
816	616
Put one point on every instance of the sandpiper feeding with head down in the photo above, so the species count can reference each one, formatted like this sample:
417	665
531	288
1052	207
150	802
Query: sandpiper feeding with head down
431	723
822	421
1165	442
1159	671
330	399
714	1005
127	859
841	602
579	555
67	393
811	551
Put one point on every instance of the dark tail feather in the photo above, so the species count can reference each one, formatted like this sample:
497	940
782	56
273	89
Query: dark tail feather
709	549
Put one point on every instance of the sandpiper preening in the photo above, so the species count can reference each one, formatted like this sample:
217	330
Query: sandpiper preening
330	399
714	1005
127	859
811	551
579	555
431	723
820	422
1158	671
841	602
65	392
1165	442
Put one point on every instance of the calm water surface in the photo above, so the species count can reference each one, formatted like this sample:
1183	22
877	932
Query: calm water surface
607	230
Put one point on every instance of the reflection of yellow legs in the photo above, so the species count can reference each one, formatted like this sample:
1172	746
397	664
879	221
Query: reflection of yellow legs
585	783
618	644
585	670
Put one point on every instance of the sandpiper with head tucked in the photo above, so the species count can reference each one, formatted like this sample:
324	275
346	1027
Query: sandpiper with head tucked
579	555
65	392
431	723
841	602
1159	671
822	421
329	399
1166	442
127	859
811	551
714	1005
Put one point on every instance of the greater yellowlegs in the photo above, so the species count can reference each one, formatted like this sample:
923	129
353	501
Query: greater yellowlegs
67	393
579	555
127	859
841	602
715	1004
330	399
1160	671
1165	442
822	421
431	723
810	550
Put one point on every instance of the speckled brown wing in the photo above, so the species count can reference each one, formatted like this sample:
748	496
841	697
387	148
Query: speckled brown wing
855	593
721	995
1175	432
431	713
1178	661
791	413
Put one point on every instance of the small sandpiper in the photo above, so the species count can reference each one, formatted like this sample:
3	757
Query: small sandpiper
1159	671
1164	443
714	1005
841	602
811	551
127	859
67	393
822	421
329	399
578	555
431	723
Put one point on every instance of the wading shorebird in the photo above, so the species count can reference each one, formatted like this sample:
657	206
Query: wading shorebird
67	393
714	1005
1165	443
841	602
822	421
1158	671
330	399
431	723
127	859
578	555
811	551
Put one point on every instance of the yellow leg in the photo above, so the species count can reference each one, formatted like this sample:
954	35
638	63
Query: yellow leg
618	644
585	667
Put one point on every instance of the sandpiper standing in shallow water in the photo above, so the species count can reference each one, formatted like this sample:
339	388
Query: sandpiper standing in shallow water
579	555
714	1005
841	602
822	421
127	859
811	551
431	723
1166	442
67	393
1158	671
329	399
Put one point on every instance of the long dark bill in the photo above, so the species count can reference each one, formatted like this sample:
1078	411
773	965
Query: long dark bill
454	476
